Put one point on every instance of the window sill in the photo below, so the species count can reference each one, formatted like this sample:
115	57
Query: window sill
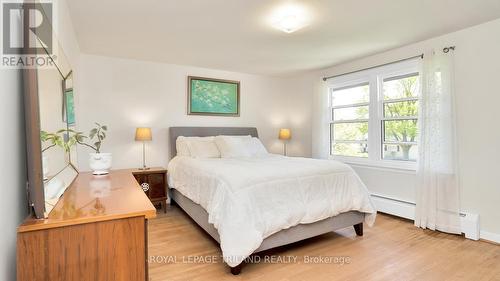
403	166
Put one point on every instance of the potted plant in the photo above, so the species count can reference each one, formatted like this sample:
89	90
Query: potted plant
54	139
99	162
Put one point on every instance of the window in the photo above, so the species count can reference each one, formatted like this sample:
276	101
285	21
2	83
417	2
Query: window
374	116
349	126
399	121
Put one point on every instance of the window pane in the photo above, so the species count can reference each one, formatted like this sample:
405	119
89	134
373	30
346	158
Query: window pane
350	113
404	87
400	131
350	131
407	152
345	96
350	149
400	109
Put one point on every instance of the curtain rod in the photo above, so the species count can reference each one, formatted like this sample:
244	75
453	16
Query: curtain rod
371	67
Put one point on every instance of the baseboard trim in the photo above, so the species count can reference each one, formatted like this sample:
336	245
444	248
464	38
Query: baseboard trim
490	237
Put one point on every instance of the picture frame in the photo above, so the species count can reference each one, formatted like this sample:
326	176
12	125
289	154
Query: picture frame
213	97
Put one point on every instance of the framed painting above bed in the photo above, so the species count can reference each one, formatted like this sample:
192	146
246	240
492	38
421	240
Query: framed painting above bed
213	97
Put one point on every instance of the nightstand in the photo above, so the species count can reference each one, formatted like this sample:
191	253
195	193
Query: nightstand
154	184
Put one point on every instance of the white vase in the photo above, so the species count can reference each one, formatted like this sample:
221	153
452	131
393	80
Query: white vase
100	163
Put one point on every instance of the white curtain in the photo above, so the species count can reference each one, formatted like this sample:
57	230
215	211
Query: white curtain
321	117
437	204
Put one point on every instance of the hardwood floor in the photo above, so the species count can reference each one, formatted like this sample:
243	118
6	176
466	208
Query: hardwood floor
391	250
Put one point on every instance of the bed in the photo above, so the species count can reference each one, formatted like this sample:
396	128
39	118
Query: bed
249	205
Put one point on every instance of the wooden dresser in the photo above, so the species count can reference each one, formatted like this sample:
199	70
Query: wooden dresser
96	231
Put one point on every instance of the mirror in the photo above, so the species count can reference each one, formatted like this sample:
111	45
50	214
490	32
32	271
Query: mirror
49	110
52	120
57	119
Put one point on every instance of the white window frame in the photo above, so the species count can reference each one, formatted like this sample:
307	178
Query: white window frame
375	77
358	82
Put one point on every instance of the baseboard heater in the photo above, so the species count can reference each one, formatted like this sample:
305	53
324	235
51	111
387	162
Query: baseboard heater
405	209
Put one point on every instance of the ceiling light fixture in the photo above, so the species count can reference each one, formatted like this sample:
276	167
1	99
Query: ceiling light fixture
289	23
289	18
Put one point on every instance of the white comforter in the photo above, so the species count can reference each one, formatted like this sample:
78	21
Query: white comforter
249	199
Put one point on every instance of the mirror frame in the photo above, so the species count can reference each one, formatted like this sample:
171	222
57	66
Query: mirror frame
35	188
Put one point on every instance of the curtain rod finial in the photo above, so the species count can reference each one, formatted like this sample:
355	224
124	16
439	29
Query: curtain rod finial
447	49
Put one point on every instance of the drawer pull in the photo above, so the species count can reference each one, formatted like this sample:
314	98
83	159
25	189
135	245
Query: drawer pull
145	186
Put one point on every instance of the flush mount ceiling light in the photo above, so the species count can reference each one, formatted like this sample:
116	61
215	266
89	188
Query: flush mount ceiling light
289	18
289	23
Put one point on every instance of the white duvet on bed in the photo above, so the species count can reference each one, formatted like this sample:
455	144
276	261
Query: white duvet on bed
249	199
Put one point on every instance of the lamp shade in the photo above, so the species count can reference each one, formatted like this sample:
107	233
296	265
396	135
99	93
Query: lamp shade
143	134
285	134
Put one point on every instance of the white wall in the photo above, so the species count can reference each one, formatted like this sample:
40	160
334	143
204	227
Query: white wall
477	70
125	94
13	204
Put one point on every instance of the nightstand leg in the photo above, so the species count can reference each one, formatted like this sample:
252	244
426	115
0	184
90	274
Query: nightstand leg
358	228
164	206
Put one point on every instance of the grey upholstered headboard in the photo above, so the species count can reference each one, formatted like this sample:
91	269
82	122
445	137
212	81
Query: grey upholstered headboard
174	132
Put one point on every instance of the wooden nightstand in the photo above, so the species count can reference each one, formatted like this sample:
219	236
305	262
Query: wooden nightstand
154	184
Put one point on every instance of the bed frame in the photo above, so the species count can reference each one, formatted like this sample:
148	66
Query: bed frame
283	237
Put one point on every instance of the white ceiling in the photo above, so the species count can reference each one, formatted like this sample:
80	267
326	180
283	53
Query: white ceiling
235	34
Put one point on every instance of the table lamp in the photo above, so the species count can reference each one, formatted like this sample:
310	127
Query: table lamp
285	135
143	134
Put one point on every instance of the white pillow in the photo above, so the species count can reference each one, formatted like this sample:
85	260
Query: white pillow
203	148
230	146
256	148
238	137
182	146
197	147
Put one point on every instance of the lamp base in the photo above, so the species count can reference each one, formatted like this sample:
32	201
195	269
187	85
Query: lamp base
144	168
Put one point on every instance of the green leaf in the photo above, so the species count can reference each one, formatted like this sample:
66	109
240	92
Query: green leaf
98	147
43	135
70	143
92	133
59	142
